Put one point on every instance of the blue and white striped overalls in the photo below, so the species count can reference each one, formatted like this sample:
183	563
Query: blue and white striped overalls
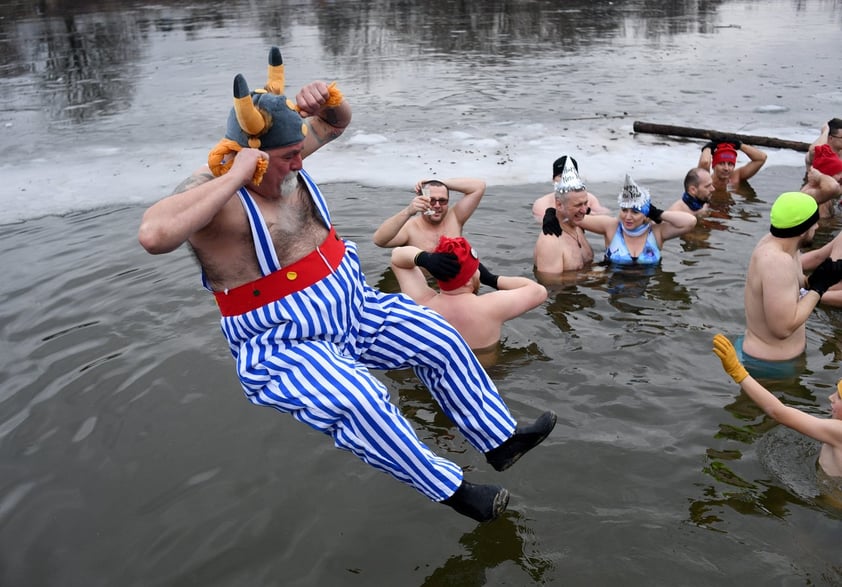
309	354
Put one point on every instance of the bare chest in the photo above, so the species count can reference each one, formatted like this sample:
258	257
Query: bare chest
227	250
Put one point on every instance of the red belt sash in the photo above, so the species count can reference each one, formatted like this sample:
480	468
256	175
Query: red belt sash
290	279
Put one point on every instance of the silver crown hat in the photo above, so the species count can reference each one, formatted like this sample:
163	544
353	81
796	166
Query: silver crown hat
634	196
570	180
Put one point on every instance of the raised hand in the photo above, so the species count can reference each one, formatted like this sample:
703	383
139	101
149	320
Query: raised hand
550	224
726	352
442	266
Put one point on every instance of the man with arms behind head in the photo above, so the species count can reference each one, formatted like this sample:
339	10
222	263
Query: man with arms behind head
302	324
721	159
430	215
778	298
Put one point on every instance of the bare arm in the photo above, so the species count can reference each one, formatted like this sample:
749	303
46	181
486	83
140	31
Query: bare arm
780	300
821	429
547	255
673	223
326	112
391	233
169	223
410	277
601	224
473	190
757	159
514	296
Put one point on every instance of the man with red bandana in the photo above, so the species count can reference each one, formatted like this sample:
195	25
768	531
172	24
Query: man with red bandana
721	159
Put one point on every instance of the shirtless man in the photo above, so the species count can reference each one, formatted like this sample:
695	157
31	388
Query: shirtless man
478	318
548	201
776	308
827	431
562	245
698	187
436	218
823	180
721	159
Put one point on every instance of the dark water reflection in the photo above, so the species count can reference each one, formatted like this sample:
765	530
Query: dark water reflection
81	57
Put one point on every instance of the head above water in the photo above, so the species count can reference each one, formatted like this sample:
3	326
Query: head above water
558	165
265	118
261	119
467	257
725	153
793	214
569	180
634	197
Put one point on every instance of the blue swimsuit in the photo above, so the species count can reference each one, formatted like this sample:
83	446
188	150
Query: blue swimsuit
618	252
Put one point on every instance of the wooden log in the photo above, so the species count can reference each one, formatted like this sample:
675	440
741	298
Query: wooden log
700	133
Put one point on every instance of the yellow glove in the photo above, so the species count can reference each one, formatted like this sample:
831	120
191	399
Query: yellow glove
726	352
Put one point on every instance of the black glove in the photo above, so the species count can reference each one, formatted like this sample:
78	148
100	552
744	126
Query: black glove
551	225
737	144
828	273
654	213
486	277
442	266
710	145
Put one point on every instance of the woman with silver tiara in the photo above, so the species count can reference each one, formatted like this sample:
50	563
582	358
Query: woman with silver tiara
637	235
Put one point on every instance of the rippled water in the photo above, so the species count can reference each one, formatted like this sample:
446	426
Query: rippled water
130	457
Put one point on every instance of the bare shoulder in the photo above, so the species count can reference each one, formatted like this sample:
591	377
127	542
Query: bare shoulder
200	176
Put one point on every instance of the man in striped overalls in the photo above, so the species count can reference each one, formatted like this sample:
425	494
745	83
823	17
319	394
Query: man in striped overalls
302	324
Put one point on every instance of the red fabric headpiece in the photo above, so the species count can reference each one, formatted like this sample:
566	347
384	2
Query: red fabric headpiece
724	152
467	257
826	160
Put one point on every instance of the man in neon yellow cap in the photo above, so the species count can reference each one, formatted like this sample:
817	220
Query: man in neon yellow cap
778	297
826	431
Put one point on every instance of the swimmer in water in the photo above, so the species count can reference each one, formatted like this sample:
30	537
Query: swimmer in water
828	431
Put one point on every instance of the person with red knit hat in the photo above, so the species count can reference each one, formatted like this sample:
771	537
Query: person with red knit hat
824	180
478	318
720	158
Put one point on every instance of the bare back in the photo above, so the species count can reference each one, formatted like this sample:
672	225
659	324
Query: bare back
475	317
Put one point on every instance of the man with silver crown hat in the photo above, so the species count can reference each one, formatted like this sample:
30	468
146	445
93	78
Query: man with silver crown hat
778	297
303	326
562	245
540	205
636	236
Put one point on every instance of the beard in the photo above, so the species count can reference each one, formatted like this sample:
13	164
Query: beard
289	184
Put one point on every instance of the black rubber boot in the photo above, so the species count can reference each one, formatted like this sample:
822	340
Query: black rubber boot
524	439
480	502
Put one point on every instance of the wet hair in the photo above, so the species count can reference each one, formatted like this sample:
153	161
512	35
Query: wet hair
833	125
